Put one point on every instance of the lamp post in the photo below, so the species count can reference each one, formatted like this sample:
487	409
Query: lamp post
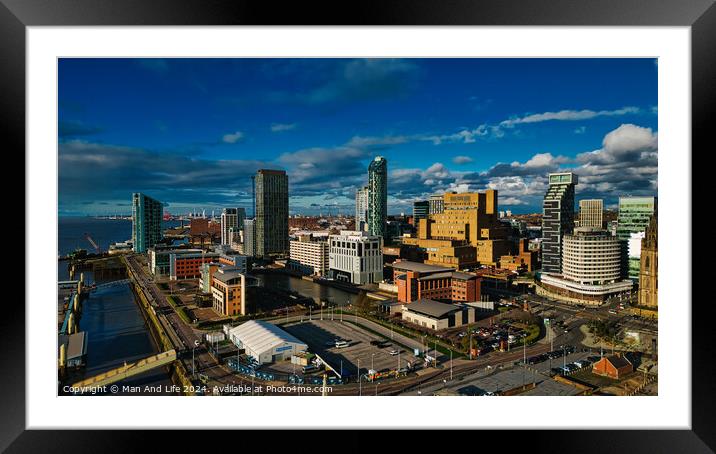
372	355
360	390
193	364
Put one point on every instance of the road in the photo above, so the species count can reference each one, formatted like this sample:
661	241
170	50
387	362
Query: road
184	337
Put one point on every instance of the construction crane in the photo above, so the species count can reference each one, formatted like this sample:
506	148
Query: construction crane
94	245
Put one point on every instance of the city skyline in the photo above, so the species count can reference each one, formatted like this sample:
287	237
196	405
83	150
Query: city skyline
192	132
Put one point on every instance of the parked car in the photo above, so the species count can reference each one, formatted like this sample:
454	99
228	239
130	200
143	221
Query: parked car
309	368
393	352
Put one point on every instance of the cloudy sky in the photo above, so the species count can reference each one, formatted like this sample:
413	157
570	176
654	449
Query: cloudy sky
191	132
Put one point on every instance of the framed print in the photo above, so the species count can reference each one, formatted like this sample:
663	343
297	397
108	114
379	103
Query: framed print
413	217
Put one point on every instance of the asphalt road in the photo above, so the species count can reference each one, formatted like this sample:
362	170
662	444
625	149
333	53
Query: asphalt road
184	336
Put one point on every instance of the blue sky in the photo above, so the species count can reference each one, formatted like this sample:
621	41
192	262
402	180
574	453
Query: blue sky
190	132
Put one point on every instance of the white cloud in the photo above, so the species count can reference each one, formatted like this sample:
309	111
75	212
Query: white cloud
461	159
627	143
437	170
281	127
362	141
233	137
568	115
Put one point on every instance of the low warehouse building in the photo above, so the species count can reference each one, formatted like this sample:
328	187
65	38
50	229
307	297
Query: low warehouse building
434	315
265	342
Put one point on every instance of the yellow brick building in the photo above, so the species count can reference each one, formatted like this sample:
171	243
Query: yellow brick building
467	233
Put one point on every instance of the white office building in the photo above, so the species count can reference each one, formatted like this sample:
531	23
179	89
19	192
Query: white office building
308	255
356	257
232	221
362	208
591	212
593	266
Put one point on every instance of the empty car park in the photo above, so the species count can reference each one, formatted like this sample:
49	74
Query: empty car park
318	333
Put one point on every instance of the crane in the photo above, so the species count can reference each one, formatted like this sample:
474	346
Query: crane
89	238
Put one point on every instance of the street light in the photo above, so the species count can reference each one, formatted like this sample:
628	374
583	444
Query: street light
371	361
193	365
360	390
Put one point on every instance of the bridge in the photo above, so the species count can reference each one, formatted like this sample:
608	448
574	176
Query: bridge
128	370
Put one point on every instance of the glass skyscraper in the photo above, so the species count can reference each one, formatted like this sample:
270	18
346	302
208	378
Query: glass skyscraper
632	221
146	222
271	212
634	215
557	219
378	197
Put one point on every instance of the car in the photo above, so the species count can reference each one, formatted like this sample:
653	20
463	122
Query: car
393	352
534	360
309	368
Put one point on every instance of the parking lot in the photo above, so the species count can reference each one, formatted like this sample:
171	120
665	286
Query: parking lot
318	334
544	366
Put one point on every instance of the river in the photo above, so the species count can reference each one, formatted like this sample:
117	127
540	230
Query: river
307	288
116	330
72	230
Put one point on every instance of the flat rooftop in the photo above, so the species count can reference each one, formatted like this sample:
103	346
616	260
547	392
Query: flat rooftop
406	265
432	308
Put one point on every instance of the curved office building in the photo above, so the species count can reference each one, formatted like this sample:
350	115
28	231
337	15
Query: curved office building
593	266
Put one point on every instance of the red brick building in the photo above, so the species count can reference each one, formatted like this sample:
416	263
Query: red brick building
188	266
417	281
614	366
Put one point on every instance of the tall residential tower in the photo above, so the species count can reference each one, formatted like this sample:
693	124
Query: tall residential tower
271	212
378	197
362	209
557	219
146	222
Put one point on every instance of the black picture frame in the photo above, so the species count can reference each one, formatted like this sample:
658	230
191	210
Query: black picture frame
16	15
